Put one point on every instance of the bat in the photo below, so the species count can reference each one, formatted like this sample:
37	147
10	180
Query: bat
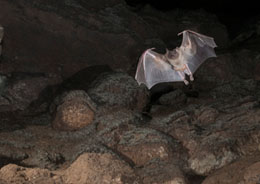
154	68
1	37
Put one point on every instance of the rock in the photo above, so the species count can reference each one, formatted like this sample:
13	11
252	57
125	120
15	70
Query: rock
12	173
19	90
118	89
75	110
245	62
99	168
226	68
257	72
142	145
173	98
113	122
214	135
1	37
214	72
206	115
85	34
169	24
159	172
237	87
245	170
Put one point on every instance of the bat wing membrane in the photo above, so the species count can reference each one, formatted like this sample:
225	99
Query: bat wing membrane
153	68
197	48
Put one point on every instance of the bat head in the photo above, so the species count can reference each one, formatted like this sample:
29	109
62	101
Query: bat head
172	54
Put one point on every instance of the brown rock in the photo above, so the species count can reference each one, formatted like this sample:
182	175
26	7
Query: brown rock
118	89
257	72
173	98
142	145
160	172
214	72
19	90
113	122
12	173
99	168
99	33
75	111
214	135
244	171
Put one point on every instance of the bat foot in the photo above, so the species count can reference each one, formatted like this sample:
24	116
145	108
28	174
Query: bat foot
186	82
191	78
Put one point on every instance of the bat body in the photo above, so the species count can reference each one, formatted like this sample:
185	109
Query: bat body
172	66
1	37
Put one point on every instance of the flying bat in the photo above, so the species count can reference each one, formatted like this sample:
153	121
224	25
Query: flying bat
154	68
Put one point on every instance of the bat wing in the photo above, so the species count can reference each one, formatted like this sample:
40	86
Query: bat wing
196	48
153	68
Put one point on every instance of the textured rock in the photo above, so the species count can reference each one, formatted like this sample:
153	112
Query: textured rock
75	110
244	171
173	98
16	174
237	87
113	122
159	172
19	90
118	89
99	168
214	72
227	69
143	145
85	34
214	135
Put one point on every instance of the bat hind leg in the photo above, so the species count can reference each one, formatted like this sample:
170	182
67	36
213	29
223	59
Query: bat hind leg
183	78
190	73
191	77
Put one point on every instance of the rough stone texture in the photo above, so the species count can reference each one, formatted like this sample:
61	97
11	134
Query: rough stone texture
257	72
118	89
143	145
85	34
12	173
209	129
173	98
214	72
218	140
159	172
75	111
19	90
99	168
243	171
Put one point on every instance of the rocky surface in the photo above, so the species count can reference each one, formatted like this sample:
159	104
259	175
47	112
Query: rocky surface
74	111
71	111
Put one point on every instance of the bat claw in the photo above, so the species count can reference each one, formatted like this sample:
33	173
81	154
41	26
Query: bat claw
186	82
191	78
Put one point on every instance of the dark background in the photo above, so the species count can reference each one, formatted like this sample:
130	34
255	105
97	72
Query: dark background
236	15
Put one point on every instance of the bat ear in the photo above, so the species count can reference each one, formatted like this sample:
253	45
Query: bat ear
167	52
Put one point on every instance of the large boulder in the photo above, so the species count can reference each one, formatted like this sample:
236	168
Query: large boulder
66	36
